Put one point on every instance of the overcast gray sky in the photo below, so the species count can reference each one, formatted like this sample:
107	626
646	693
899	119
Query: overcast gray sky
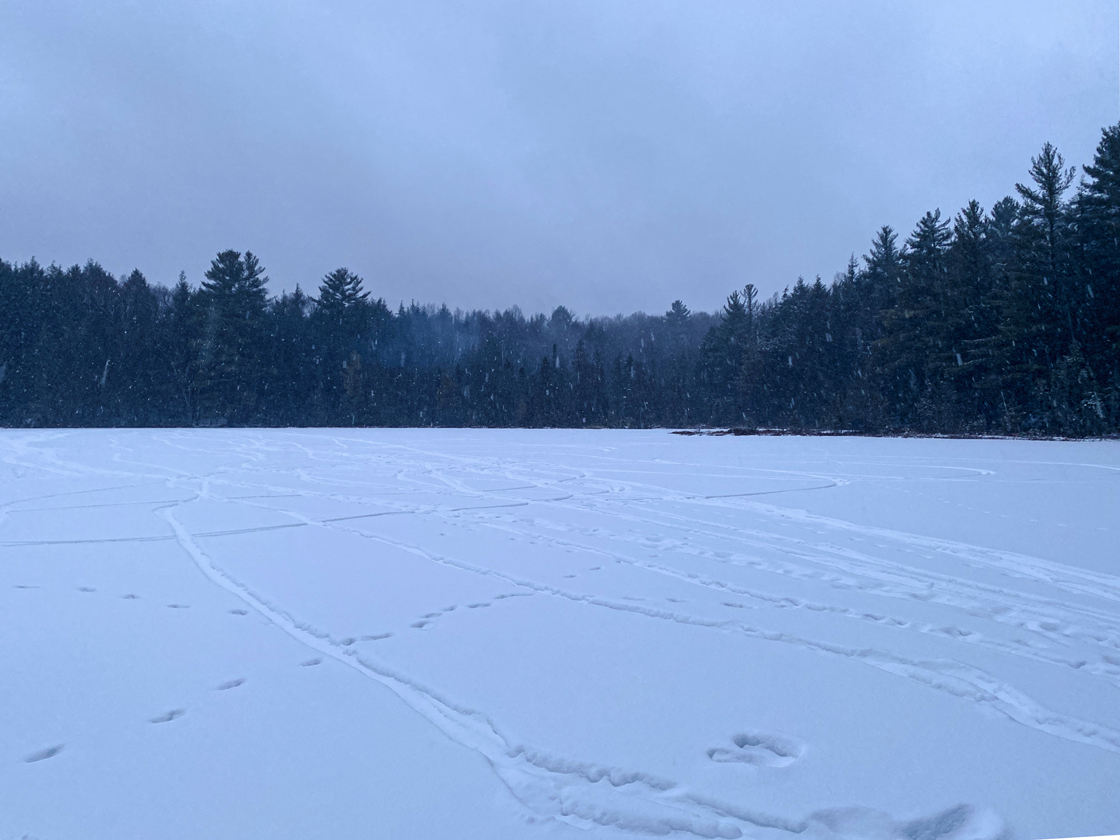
611	155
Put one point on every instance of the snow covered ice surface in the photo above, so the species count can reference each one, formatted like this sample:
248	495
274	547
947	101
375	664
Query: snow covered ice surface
491	634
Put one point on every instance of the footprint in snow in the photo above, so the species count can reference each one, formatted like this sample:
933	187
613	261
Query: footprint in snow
49	752
376	637
239	612
311	662
178	606
226	686
759	749
170	716
733	604
477	606
23	586
349	640
130	597
420	625
86	589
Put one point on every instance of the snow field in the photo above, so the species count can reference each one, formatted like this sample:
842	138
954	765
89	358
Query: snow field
437	633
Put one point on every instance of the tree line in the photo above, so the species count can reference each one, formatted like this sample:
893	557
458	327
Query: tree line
1003	321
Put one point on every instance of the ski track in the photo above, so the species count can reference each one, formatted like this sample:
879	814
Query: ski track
628	800
1079	611
1017	609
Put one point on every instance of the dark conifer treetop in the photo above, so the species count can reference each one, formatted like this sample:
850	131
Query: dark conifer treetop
1001	321
339	291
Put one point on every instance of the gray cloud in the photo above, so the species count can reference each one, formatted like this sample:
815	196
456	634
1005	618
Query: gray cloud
608	155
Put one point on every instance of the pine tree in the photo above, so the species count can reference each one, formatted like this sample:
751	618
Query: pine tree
1035	319
179	346
677	321
679	383
970	322
1097	290
1043	233
340	323
232	363
883	268
138	395
912	332
291	395
24	311
853	322
722	361
340	292
235	286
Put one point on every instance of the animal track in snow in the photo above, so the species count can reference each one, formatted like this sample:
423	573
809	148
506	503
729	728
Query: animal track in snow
239	612
226	686
477	606
86	589
49	752
130	597
759	749
428	619
311	662
376	637
170	716
178	606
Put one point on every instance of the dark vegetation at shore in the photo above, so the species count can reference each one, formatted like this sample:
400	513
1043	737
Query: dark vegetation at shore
1003	321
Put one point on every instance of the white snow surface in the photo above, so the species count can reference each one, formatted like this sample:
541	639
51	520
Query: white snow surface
492	634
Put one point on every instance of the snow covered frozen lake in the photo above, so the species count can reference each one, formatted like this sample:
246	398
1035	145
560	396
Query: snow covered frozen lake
571	634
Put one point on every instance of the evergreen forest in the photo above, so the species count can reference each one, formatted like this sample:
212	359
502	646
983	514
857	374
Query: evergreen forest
1003	320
